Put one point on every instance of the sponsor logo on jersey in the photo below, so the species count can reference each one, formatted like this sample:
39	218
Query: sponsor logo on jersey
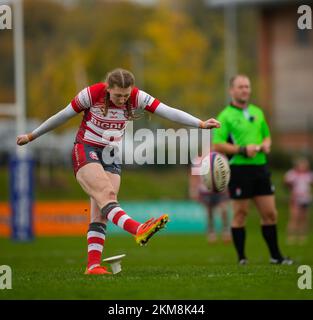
82	99
117	114
97	109
112	114
147	99
108	125
93	155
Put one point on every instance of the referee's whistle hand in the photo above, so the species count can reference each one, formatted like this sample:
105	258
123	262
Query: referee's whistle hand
266	148
210	124
252	150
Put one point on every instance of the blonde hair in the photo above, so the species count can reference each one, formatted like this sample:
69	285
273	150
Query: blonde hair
120	78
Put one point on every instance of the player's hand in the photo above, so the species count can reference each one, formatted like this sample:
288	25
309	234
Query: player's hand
210	123
252	150
22	139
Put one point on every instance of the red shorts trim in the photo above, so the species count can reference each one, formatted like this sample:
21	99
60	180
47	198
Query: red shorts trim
83	154
79	158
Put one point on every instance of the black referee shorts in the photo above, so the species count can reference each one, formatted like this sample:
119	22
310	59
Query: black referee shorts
248	181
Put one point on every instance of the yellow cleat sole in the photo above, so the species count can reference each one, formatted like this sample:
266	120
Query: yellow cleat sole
143	239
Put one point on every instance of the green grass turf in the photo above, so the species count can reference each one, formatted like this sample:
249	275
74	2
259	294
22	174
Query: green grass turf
169	267
139	184
142	184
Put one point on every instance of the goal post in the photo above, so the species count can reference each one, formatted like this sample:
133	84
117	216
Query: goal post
21	163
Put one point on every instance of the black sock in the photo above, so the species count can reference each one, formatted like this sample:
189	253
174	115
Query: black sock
239	237
269	233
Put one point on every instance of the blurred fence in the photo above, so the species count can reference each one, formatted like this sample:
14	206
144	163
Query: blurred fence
72	218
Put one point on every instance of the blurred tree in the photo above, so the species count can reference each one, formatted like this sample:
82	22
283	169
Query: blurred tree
175	62
175	50
6	66
211	22
77	51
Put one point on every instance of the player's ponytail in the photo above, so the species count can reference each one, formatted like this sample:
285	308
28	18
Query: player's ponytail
106	104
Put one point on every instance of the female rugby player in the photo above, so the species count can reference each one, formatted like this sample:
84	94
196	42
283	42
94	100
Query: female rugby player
109	106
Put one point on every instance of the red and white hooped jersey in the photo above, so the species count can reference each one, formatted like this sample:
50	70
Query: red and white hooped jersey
95	128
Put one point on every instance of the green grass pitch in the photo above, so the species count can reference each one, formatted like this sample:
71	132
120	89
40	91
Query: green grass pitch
171	266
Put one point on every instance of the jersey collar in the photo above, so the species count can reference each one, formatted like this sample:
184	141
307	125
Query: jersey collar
236	107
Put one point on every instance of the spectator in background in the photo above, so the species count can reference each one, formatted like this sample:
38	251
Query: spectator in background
213	202
299	179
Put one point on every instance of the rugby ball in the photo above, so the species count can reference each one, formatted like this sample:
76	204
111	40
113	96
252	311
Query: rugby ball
215	172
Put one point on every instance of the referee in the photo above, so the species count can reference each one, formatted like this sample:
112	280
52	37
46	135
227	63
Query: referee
245	136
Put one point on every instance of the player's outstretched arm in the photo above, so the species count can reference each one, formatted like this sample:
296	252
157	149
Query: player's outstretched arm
50	124
185	118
